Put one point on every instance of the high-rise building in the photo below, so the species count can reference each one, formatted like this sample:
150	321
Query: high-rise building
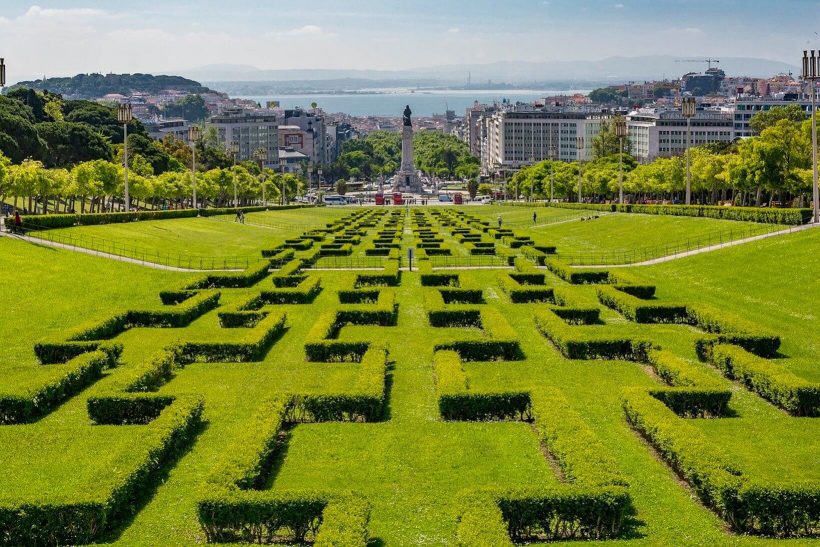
250	130
313	125
747	107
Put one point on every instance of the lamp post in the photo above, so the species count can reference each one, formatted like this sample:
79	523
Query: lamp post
319	178
620	132
234	151
579	146
193	136
688	106
283	185
810	74
552	172
2	75
125	115
261	156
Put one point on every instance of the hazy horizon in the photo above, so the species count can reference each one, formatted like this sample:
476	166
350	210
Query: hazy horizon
66	37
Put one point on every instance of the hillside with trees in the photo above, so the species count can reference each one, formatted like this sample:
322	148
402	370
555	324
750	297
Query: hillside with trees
94	86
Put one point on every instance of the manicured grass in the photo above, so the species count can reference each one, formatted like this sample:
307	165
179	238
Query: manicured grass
411	466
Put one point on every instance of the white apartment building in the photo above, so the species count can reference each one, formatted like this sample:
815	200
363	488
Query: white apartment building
513	139
662	134
746	107
173	126
251	131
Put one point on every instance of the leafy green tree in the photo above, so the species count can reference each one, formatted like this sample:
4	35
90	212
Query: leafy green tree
18	135
341	187
190	107
606	142
472	187
71	143
767	118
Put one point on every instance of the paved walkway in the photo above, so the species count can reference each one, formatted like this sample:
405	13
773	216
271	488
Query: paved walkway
710	248
39	241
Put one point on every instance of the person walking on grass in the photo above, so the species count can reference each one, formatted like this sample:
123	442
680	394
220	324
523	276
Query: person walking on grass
238	216
534	217
499	222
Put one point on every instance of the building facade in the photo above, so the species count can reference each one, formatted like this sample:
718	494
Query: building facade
514	139
251	131
747	107
663	134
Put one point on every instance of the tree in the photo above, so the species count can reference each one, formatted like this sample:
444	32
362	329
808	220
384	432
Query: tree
18	135
606	142
70	143
605	95
472	188
191	108
485	189
341	187
768	118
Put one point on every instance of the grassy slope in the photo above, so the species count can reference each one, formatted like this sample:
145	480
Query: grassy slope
199	237
410	466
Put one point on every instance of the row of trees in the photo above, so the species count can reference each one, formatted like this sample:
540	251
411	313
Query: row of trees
379	153
98	186
773	167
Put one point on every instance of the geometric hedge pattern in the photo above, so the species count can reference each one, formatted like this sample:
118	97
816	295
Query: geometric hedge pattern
347	332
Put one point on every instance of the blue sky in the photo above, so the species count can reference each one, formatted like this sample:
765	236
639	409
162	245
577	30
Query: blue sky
68	36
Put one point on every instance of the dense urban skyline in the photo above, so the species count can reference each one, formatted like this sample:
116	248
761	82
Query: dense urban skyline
64	37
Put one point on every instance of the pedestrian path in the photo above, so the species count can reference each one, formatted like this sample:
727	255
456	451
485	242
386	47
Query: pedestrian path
708	249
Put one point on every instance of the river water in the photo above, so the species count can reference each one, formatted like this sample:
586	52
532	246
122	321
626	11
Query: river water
422	103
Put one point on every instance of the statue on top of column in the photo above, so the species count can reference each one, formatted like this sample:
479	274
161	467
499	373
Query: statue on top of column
407	113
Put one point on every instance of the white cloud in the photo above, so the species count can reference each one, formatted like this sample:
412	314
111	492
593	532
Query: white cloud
307	30
454	30
619	6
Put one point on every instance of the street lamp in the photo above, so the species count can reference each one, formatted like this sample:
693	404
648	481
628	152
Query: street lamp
810	74
125	115
688	106
552	171
261	156
319	178
234	151
579	146
193	136
2	74
620	132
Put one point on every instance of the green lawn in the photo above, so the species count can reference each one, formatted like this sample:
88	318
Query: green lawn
410	466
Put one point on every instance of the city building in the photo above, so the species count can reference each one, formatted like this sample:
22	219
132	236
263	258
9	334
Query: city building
312	124
662	134
251	130
512	139
161	128
747	107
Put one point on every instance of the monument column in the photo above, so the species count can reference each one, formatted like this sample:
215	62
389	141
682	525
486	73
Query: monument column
406	180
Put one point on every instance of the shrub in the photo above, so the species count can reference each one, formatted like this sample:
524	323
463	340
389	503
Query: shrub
76	375
526	293
233	280
730	329
575	343
769	379
44	522
764	215
252	347
641	311
576	276
127	409
695	402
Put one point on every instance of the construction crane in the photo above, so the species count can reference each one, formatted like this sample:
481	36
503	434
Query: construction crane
707	61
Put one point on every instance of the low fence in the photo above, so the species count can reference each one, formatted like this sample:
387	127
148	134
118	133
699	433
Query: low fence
641	254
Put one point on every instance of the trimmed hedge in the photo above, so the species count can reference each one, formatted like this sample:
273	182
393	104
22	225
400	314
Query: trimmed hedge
457	402
584	343
233	280
525	293
127	408
576	276
730	329
769	379
251	347
641	311
389	277
364	402
90	520
501	343
77	374
780	509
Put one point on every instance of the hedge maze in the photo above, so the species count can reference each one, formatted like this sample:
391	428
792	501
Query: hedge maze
292	404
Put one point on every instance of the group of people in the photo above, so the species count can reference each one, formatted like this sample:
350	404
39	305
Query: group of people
240	217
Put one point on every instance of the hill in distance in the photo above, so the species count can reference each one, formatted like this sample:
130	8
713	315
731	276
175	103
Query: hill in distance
94	86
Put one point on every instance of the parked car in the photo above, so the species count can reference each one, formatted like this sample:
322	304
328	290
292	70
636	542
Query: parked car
445	198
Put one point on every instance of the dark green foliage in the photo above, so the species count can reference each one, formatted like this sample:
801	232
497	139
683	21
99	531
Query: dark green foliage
93	86
72	143
642	311
252	347
764	215
576	276
233	280
577	343
127	409
695	402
